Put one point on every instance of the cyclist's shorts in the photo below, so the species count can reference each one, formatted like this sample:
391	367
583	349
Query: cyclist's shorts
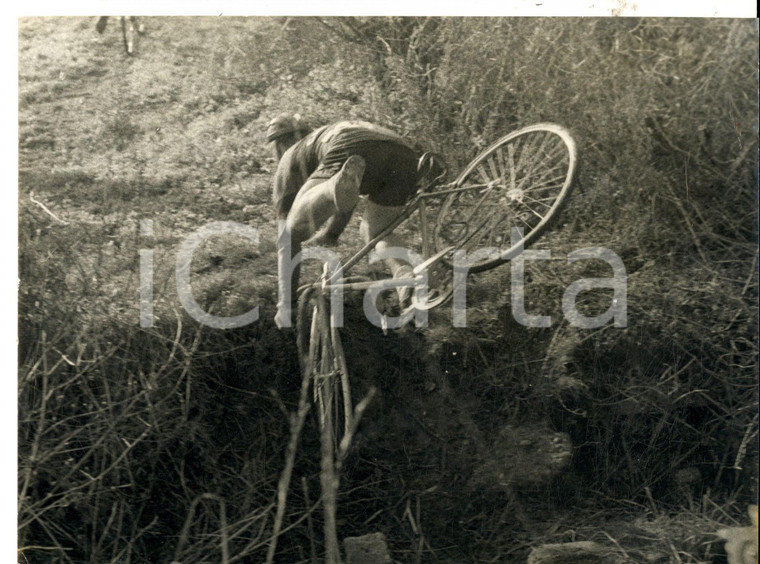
390	175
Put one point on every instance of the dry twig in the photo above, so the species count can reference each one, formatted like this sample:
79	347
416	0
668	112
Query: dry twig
46	209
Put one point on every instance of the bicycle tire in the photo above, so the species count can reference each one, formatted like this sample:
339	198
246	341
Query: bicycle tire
321	355
522	180
303	327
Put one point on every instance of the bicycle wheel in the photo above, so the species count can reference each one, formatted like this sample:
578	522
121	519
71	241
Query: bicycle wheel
322	358
521	181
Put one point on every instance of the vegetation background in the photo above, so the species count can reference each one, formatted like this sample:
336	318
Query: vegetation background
165	443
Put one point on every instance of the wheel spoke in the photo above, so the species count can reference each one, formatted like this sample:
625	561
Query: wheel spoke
534	212
476	207
479	230
546	158
512	169
490	231
528	175
542	202
504	227
494	171
538	157
546	171
483	175
521	218
529	151
524	147
503	167
554	181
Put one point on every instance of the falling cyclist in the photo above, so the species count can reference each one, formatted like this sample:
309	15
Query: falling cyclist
317	184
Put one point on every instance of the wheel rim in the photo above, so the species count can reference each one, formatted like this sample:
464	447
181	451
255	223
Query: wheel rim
323	359
521	181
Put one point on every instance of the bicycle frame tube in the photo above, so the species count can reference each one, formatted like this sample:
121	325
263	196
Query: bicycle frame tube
416	203
448	191
410	208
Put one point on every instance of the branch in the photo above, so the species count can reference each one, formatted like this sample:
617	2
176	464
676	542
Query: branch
355	36
46	210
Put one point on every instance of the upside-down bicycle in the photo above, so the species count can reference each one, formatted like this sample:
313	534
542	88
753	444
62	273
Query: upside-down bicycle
520	181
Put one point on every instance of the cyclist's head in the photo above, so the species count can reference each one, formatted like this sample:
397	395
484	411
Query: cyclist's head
285	130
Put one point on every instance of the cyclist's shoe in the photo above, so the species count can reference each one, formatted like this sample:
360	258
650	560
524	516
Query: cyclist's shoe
404	292
347	182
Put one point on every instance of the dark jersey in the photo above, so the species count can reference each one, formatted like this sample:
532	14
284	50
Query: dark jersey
390	174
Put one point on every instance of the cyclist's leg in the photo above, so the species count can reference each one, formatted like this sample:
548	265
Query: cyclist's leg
328	235
387	198
318	202
101	25
376	218
326	201
128	30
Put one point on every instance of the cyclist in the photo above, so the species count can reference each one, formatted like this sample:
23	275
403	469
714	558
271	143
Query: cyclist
317	184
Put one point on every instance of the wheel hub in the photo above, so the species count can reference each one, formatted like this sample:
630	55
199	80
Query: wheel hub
515	194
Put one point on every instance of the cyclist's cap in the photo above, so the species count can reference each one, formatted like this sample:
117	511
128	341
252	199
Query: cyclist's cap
284	124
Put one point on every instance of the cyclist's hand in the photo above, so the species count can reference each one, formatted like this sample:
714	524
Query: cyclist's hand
284	319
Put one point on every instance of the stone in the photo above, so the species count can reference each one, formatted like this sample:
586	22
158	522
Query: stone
367	549
584	552
525	456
